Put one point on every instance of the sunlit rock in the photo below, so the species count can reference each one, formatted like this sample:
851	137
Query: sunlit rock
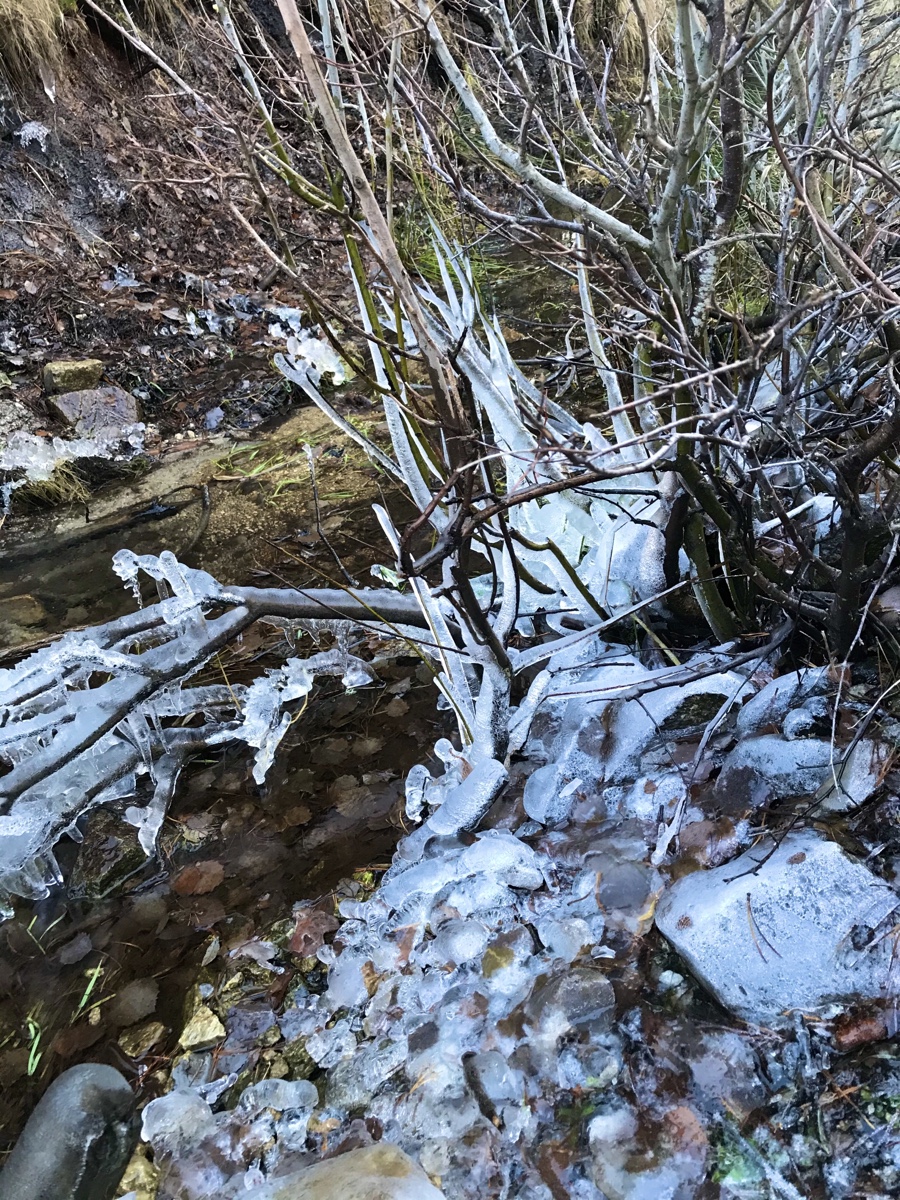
202	1030
801	930
71	375
381	1172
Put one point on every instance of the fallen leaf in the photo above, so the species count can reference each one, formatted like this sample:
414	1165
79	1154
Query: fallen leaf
75	1039
365	747
854	1030
198	878
311	925
8	294
397	708
74	951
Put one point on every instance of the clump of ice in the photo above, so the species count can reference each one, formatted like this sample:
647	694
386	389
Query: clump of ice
37	458
318	357
33	133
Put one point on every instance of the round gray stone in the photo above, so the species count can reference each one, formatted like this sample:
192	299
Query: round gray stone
78	1140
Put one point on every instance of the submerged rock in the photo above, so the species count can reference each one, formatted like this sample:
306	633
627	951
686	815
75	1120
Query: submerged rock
795	931
97	412
109	854
381	1172
203	1030
77	1141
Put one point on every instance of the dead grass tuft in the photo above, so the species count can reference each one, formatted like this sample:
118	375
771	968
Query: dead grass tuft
29	34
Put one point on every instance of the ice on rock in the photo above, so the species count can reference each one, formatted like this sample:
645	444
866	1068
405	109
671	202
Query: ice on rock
355	1080
282	1095
458	941
574	999
797	929
547	797
177	1124
328	1046
494	1080
769	767
772	703
566	939
505	858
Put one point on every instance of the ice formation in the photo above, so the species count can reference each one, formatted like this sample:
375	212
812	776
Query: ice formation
36	458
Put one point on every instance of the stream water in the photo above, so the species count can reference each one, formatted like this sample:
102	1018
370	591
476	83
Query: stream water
125	939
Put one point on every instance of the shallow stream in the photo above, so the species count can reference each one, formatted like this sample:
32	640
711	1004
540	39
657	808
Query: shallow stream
125	940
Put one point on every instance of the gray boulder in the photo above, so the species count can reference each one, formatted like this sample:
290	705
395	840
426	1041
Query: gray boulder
97	412
78	1140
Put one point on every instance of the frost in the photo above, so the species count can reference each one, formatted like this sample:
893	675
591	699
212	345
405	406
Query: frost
31	133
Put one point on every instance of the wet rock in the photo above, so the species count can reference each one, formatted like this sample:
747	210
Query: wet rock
138	1040
109	854
794	931
380	1172
20	619
72	375
97	412
77	1141
766	768
203	1030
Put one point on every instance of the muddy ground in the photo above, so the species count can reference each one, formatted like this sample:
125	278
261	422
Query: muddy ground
117	240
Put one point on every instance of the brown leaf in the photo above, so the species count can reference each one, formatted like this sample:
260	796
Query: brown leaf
854	1030
309	930
75	1039
198	878
8	294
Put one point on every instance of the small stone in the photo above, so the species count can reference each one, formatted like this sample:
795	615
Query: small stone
202	1031
380	1172
72	375
141	1177
776	932
135	1042
97	412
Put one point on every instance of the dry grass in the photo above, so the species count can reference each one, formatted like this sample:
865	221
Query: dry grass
29	34
613	22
